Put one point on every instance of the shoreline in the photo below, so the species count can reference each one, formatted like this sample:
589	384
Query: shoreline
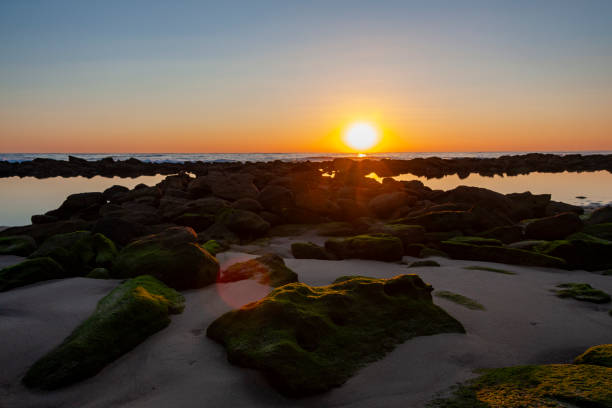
430	167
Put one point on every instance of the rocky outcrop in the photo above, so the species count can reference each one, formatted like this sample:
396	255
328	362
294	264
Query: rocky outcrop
556	227
123	319
172	256
380	247
269	269
307	339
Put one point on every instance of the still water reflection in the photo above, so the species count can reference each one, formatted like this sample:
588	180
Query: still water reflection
20	198
574	188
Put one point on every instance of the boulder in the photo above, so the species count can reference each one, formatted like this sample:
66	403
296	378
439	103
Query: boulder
308	250
306	339
75	203
384	205
269	269
275	198
172	256
78	252
40	232
110	193
409	234
151	195
597	355
506	234
20	245
30	271
556	227
557	207
199	222
228	186
336	229
600	215
198	187
247	204
245	224
603	231
120	230
499	254
580	251
171	208
43	219
380	247
122	320
527	205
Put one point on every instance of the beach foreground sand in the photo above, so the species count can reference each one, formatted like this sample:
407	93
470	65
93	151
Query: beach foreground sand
524	323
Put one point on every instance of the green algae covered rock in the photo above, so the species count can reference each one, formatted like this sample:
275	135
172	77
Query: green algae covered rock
308	250
123	319
308	339
380	247
213	247
427	252
78	252
99	273
409	234
417	264
500	254
555	385
603	231
476	240
597	355
21	245
172	256
580	251
583	292
30	271
269	269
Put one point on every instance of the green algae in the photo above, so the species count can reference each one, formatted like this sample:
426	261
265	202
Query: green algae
30	271
122	320
308	339
597	355
459	299
380	247
489	269
268	269
583	292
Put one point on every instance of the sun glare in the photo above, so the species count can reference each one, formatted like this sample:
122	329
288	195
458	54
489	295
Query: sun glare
361	136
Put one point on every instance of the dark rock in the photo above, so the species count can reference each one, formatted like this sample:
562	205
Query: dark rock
556	207
40	232
76	203
307	339
21	245
499	254
428	252
120	230
506	234
245	224
308	250
198	188
419	264
199	222
123	319
268	269
78	252
43	219
384	205
99	273
380	247
336	229
603	231
581	251
409	234
600	215
172	256
110	193
247	204
30	271
556	227
276	198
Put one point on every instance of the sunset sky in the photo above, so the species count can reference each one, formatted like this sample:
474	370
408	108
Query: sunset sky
290	76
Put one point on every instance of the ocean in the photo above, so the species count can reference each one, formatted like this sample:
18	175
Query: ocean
259	157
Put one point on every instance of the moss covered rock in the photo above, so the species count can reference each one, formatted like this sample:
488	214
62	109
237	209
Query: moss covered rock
309	339
598	355
409	234
213	247
428	252
308	250
122	320
418	264
336	229
99	273
556	385
78	252
172	256
500	254
580	251
380	247
603	231
583	292
477	240
556	227
21	245
269	269
30	271
246	224
506	234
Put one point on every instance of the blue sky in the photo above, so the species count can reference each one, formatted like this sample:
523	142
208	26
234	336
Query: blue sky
211	76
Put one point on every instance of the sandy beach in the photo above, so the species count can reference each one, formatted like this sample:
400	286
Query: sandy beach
524	323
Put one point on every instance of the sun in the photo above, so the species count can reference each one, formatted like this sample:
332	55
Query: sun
361	136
